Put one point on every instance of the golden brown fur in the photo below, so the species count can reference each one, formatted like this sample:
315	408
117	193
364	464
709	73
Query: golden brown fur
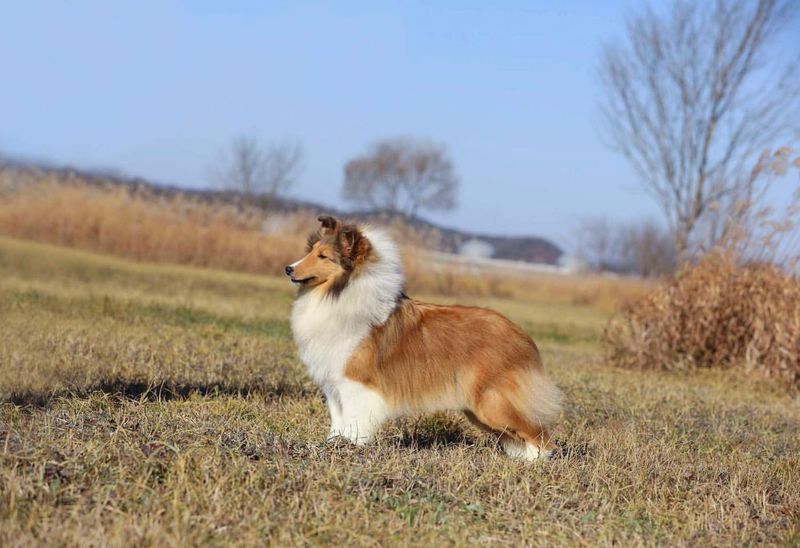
433	357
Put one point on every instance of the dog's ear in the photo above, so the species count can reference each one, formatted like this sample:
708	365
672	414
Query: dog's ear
349	238
353	244
329	224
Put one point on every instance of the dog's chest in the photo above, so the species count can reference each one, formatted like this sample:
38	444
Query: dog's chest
326	337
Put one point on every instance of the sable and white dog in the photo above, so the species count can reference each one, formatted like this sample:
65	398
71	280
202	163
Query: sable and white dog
377	354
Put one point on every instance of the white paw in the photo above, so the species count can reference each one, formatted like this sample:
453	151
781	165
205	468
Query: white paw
357	435
352	434
514	448
522	450
535	453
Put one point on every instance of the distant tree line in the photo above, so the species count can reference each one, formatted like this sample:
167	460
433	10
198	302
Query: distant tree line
400	176
639	248
694	100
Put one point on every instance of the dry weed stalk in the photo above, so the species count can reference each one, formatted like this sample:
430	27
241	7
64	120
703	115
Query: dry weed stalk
738	307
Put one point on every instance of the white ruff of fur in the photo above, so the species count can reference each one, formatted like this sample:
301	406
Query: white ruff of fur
328	329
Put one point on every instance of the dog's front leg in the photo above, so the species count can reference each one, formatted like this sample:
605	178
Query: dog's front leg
363	412
332	399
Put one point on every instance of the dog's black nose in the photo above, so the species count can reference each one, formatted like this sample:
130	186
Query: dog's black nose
289	270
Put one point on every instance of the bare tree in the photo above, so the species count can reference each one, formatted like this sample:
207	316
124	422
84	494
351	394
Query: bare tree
693	97
643	248
258	170
596	244
402	176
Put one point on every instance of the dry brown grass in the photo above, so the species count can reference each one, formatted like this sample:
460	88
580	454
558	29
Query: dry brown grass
182	230
146	227
162	405
718	313
738	306
605	293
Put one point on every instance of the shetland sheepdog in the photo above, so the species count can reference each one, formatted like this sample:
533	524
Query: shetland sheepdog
377	354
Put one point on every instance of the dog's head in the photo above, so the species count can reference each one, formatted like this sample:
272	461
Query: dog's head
333	254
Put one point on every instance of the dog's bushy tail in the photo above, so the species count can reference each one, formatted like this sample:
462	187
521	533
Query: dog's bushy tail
538	399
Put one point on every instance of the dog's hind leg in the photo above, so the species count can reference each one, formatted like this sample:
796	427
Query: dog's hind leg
519	437
511	443
363	411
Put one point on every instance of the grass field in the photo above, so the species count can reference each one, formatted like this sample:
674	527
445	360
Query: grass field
166	405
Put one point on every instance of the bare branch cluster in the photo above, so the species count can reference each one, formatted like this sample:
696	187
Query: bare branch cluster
642	248
691	100
254	169
756	231
402	176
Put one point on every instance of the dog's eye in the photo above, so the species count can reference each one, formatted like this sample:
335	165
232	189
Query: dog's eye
322	256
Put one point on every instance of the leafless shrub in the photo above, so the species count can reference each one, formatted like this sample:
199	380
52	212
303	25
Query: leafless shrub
715	314
755	230
738	307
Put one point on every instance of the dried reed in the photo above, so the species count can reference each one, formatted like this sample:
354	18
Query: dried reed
138	223
737	307
146	227
715	314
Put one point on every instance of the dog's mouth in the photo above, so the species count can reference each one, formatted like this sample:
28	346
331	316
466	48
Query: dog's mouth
302	281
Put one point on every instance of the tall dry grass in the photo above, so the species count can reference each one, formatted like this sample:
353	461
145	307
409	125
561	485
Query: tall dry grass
140	224
144	226
737	307
605	293
715	314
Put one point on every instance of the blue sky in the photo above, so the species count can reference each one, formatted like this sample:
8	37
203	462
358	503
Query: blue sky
155	89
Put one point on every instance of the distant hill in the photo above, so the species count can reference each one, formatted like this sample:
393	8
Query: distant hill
530	249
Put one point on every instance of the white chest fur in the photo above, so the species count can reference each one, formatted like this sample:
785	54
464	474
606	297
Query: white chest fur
328	329
325	337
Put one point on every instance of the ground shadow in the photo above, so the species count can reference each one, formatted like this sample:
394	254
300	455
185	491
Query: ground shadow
432	431
142	390
457	433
